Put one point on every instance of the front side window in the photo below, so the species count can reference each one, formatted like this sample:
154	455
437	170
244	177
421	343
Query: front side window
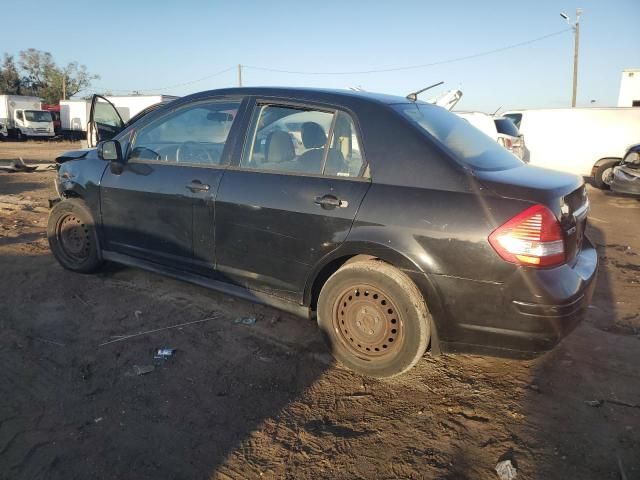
104	114
192	135
19	115
295	140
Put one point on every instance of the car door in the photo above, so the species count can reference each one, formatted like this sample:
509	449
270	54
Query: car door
290	198
169	181
104	121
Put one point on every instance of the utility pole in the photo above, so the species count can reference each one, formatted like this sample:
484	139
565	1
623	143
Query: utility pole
64	86
239	75
576	30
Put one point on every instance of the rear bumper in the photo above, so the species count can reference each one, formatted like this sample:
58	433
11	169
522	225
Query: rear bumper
526	315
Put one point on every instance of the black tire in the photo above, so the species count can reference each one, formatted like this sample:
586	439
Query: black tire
72	236
19	136
374	319
601	173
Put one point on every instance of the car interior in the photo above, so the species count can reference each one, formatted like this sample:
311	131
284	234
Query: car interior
194	135
293	140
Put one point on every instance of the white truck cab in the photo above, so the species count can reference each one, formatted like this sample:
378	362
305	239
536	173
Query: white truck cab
23	117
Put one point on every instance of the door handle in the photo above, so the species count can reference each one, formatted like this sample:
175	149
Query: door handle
198	186
330	201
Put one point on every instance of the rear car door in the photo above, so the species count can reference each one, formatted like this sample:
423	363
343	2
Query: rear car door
291	197
169	181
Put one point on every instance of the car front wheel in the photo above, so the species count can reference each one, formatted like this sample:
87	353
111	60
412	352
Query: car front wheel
374	318
72	236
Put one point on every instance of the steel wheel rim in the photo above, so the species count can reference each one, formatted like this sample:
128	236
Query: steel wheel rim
73	237
367	322
607	176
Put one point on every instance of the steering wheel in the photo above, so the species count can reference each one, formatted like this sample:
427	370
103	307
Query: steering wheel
192	152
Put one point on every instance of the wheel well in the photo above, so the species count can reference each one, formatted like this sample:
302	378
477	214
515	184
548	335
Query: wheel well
70	194
603	161
328	270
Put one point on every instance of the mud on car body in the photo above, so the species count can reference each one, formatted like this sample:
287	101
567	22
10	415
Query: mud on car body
395	223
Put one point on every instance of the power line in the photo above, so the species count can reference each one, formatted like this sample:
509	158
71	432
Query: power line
413	67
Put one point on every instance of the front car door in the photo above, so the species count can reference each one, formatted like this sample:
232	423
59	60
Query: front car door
290	199
104	121
173	167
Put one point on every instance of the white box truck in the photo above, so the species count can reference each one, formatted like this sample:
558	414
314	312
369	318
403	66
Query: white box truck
74	114
22	117
583	141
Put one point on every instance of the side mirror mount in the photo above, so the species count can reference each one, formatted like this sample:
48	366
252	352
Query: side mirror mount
111	151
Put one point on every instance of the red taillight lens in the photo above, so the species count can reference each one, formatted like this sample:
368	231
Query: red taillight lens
531	238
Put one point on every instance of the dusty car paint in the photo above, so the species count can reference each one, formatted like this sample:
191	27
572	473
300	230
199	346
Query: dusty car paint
260	235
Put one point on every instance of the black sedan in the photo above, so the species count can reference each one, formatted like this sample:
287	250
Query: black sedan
394	222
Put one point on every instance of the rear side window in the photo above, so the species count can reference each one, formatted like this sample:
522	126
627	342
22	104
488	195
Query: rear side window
298	140
467	144
507	127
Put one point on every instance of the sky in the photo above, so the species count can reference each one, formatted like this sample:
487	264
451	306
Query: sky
176	47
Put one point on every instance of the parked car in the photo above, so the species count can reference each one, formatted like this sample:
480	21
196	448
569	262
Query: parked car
393	222
500	129
625	177
583	141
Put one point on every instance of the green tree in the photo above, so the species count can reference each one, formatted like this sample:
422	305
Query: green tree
43	78
10	81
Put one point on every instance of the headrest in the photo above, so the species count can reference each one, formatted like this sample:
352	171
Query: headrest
279	147
313	135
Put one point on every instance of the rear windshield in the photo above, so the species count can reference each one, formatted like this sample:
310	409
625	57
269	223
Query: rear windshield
516	118
507	127
468	144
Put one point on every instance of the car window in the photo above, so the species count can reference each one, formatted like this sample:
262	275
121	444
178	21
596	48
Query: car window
296	140
105	114
344	158
19	115
287	139
192	135
468	144
507	127
516	118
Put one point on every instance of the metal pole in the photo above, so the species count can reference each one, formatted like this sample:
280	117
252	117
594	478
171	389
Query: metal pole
239	75
576	30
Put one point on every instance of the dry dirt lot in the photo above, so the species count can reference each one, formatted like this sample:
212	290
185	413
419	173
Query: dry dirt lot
264	400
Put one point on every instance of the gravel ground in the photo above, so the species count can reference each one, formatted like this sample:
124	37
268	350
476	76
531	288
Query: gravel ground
265	400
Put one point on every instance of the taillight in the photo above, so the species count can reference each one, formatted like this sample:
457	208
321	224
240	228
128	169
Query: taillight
531	238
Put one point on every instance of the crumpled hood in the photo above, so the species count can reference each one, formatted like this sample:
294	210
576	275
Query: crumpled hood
72	155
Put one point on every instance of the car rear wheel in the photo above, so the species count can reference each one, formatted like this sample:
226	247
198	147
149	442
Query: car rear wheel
374	318
604	174
72	236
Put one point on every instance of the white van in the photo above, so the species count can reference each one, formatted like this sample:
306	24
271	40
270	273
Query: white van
499	129
583	141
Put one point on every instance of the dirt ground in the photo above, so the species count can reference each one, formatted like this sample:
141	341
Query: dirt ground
265	400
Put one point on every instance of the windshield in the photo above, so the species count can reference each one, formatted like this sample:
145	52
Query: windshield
468	144
507	127
37	116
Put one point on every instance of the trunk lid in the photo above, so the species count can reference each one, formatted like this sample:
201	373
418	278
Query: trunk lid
563	193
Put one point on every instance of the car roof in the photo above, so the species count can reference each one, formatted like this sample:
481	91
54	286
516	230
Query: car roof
334	95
